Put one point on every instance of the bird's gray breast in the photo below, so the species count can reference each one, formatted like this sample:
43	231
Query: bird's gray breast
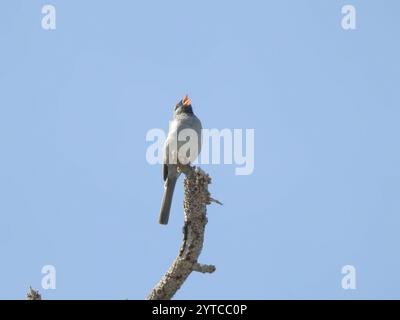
184	139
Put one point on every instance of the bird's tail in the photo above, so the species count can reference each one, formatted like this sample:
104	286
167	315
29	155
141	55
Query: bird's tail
167	200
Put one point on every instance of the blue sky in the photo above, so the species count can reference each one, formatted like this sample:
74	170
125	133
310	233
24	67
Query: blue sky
76	103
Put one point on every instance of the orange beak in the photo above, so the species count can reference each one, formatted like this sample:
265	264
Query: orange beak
186	101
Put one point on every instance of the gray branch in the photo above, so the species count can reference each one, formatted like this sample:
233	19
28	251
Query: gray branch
33	294
195	204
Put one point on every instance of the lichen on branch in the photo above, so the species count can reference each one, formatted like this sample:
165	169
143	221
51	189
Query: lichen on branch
196	199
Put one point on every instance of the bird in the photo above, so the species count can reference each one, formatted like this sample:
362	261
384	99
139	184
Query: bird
177	150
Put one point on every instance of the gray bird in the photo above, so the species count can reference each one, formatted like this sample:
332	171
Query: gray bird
182	146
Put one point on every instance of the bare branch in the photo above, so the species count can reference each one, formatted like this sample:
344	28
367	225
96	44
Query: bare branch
215	201
33	294
204	268
195	209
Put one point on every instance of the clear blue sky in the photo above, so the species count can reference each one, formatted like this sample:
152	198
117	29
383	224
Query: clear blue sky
76	103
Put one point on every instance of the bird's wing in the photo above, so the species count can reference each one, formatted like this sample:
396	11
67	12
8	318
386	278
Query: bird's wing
165	165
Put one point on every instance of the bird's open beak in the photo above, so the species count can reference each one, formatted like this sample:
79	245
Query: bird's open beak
186	101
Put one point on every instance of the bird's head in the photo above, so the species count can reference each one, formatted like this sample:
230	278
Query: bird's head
184	106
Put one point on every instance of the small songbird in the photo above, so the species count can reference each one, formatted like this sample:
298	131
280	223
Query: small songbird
182	146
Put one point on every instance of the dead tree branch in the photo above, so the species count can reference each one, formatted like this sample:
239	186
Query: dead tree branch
195	204
33	294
